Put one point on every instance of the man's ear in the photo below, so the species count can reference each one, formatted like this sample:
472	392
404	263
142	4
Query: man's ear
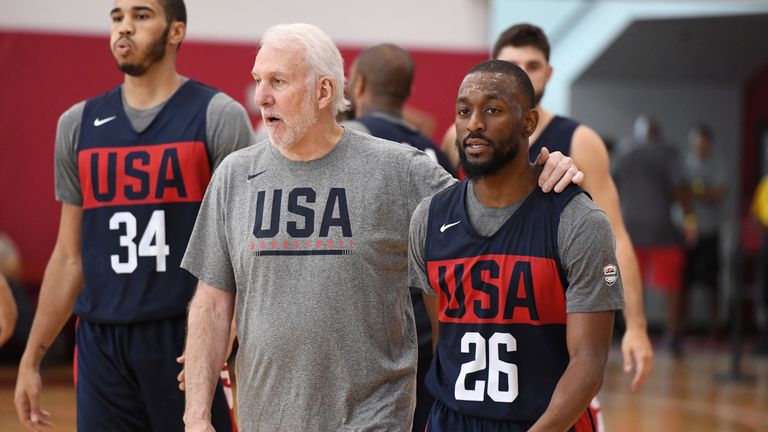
358	86
326	92
530	121
176	33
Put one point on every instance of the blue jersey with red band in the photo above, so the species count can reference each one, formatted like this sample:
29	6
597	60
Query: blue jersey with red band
501	307
557	136
141	194
395	129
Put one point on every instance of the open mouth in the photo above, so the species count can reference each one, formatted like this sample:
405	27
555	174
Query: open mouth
271	118
475	143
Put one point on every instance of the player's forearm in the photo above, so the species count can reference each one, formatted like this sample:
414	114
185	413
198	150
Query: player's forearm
62	282
634	312
576	388
208	329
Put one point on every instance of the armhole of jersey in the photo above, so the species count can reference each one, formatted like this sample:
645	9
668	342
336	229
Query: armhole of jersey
208	139
428	229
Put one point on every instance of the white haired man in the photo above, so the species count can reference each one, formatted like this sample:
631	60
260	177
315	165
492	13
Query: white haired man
305	235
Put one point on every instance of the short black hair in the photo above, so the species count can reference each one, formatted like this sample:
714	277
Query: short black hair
518	76
175	10
388	71
521	35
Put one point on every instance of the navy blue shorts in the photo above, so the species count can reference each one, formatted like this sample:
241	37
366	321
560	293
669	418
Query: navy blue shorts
445	419
126	378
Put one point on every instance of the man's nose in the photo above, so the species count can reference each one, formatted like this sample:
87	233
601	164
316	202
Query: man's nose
262	95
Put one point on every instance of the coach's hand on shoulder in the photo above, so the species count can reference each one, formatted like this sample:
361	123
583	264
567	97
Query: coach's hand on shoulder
27	399
557	172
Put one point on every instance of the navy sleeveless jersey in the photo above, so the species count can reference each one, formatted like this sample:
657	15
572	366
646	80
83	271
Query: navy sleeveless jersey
556	136
141	194
502	308
381	127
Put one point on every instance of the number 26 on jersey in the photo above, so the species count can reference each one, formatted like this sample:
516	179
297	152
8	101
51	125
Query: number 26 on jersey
497	369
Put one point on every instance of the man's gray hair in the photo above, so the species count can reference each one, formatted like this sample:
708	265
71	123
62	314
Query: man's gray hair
321	54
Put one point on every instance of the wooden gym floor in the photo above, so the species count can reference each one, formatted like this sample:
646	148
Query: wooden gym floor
681	395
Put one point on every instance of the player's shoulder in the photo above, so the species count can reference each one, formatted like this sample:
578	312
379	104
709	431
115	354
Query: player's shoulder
371	146
581	209
582	202
421	213
72	116
585	136
588	150
245	155
224	105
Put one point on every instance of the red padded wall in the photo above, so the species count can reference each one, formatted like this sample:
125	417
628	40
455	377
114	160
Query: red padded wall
43	74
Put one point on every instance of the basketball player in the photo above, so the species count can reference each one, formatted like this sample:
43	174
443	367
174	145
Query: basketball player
305	237
526	282
527	46
132	166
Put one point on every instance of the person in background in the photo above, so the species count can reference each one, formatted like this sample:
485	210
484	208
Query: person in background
650	179
759	210
706	184
131	168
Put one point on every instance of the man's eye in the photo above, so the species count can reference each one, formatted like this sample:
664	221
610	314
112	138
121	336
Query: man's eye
117	18
493	110
462	112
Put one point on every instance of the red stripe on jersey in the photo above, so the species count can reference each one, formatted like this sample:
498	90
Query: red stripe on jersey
498	289
112	176
585	423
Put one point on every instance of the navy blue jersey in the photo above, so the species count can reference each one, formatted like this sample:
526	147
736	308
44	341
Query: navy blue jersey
394	129
502	307
556	136
141	194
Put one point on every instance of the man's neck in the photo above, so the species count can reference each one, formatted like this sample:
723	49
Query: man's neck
316	143
155	86
369	107
544	118
508	186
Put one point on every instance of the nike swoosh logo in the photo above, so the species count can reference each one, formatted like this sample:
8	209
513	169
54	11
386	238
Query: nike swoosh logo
252	176
446	226
98	122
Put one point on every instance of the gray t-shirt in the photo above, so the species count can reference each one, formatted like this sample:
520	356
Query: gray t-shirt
228	129
585	245
316	253
709	173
